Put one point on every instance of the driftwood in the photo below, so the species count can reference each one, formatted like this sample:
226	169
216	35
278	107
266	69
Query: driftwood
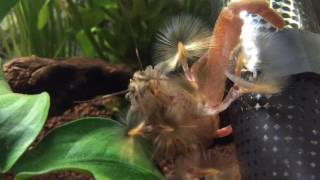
67	81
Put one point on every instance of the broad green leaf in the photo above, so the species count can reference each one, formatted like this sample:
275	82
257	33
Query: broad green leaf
93	145
5	6
43	15
21	119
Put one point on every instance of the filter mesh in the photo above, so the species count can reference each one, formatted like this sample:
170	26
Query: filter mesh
279	137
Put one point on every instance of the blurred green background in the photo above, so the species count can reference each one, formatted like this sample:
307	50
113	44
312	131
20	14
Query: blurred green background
111	30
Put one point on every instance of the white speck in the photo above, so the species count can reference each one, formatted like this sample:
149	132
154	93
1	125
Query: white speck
316	111
313	177
299	162
265	138
288	138
276	127
314	132
257	106
266	106
268	96
313	165
313	153
300	151
291	107
290	117
289	126
316	101
314	142
258	96
275	149
274	173
266	127
285	173
243	14
276	138
286	161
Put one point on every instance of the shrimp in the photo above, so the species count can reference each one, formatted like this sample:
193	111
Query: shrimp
176	106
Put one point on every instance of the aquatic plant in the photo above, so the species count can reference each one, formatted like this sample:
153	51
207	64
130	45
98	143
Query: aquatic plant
111	30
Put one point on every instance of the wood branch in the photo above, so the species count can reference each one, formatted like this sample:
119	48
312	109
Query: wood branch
67	81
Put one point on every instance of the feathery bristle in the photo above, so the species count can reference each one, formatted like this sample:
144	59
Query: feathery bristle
190	31
171	109
127	149
137	130
219	162
171	141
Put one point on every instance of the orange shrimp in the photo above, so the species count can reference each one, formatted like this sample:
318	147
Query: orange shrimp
210	70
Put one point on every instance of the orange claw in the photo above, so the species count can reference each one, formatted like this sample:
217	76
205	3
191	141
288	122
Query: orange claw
223	132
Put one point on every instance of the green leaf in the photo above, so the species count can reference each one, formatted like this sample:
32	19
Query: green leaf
155	8
21	119
138	7
43	15
85	44
4	86
93	145
5	6
105	3
87	14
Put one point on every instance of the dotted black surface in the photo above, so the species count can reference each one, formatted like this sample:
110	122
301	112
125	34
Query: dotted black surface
278	137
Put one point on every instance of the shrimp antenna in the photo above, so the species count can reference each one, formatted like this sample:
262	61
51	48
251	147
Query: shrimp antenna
105	96
138	56
136	48
121	4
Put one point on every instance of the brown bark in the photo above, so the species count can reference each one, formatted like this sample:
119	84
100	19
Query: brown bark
67	81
